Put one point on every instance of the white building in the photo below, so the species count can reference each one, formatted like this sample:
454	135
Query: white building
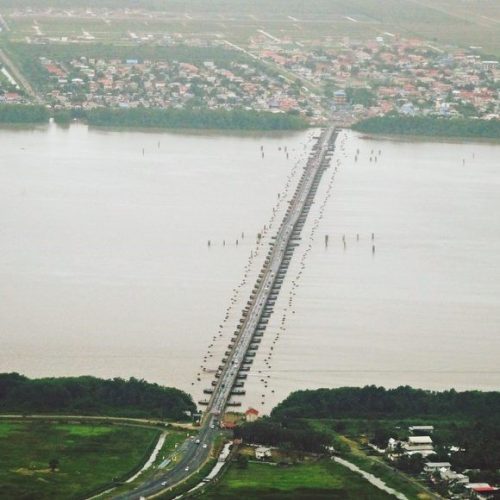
419	444
421	428
489	65
451	476
436	466
261	453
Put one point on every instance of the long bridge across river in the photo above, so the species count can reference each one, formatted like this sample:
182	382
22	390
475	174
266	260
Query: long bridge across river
259	307
246	339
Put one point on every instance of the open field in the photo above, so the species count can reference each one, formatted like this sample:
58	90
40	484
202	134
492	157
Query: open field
320	480
88	456
444	21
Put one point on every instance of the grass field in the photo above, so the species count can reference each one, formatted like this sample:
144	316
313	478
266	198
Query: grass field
88	455
321	480
444	21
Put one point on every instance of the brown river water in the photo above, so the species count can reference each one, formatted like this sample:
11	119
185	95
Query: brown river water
105	267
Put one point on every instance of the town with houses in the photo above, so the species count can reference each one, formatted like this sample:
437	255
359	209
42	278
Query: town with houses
355	79
420	442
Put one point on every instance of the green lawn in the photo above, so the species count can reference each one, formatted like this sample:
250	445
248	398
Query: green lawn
89	456
321	480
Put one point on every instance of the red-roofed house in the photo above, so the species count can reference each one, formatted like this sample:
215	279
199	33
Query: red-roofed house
484	489
251	415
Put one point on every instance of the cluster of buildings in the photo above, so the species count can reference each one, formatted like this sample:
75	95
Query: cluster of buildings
392	74
354	80
418	444
10	91
458	485
130	83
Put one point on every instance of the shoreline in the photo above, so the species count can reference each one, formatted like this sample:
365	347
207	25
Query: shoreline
155	118
426	128
425	138
242	132
235	132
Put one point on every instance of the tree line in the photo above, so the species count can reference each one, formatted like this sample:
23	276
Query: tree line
292	437
19	113
430	126
238	119
92	396
373	402
194	118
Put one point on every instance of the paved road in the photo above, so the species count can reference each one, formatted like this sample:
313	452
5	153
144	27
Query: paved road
103	418
4	59
193	458
3	23
199	448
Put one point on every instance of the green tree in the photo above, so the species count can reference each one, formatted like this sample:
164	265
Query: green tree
53	464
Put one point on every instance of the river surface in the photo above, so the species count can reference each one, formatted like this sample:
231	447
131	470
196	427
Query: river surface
105	267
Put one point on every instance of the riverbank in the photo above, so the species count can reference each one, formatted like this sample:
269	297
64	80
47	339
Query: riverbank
146	118
430	127
16	114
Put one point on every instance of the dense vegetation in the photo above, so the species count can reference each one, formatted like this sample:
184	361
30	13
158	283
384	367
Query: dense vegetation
157	118
67	461
194	118
429	126
376	402
301	437
91	396
18	113
478	443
